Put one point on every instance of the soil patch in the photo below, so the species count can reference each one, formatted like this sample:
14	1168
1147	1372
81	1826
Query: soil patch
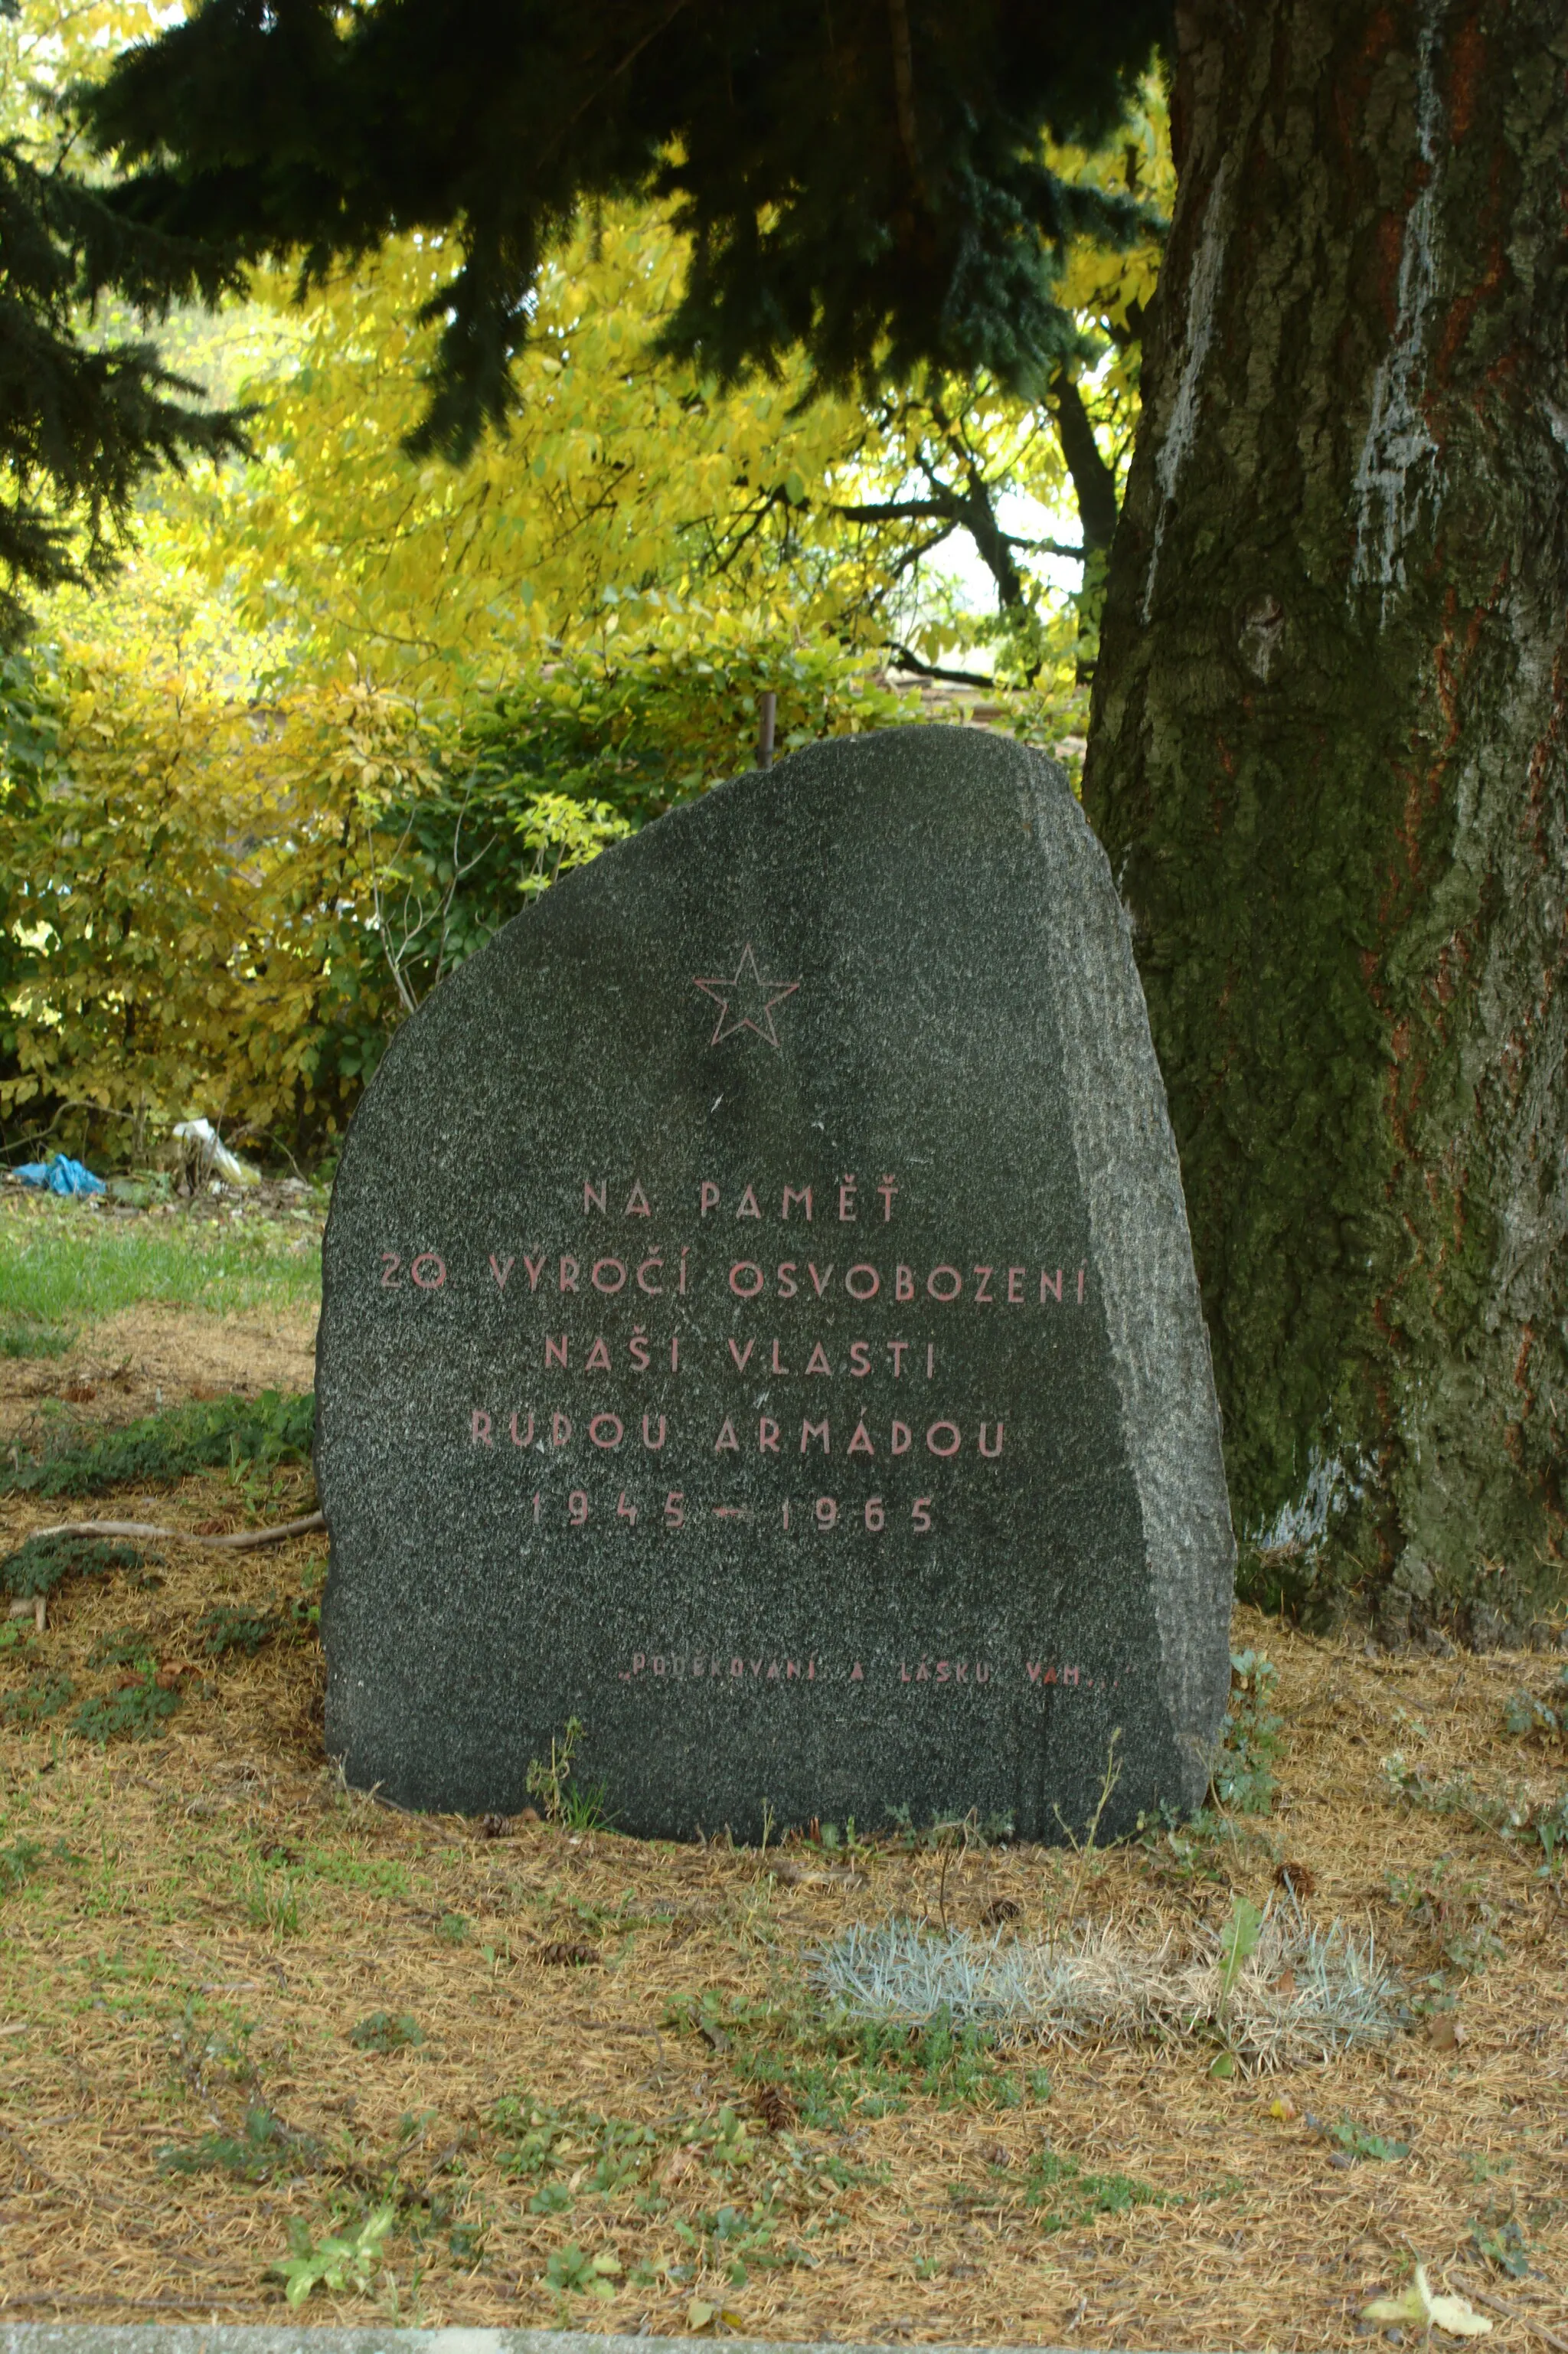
242	2008
148	1357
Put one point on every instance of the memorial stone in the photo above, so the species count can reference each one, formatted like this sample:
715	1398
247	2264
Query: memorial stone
759	1322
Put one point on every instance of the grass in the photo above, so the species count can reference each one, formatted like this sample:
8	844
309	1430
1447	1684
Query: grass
63	1265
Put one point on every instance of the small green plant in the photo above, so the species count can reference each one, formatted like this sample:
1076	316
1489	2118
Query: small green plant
1505	2248
339	2263
1355	2144
16	1864
1526	1718
263	2147
1457	1918
453	1929
571	2274
384	2032
224	1629
1238	1942
122	1651
136	1710
1253	1739
547	1782
43	1696
1071	2198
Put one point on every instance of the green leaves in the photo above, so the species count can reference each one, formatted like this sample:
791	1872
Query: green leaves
343	2264
1238	1942
572	2274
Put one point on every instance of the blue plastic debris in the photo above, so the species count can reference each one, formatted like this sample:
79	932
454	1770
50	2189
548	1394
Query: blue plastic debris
60	1174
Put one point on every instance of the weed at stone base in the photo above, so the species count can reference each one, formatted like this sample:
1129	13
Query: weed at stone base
1253	1739
223	1629
576	1806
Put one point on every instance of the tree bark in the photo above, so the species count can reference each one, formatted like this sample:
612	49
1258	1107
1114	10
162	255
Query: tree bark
1326	760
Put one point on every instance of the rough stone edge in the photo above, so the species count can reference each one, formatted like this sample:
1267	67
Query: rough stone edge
249	2337
1126	1156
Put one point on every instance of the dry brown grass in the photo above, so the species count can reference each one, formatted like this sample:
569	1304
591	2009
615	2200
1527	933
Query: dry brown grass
145	2002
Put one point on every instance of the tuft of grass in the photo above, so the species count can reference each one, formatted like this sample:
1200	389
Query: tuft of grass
61	1267
269	1430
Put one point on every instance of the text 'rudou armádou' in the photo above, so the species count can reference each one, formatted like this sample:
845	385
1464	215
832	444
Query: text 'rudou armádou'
759	1321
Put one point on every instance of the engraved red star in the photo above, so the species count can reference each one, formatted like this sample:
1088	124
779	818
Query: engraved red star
753	998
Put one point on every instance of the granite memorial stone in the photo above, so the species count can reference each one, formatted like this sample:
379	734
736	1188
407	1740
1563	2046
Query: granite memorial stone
759	1321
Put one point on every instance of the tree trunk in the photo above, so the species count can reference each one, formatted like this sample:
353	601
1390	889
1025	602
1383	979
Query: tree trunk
1326	760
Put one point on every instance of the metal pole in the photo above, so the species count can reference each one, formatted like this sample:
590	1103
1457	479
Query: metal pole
770	708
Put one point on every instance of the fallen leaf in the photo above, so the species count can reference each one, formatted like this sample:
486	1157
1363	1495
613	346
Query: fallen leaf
679	2166
699	2314
1455	2315
80	1393
1283	2108
528	1815
1443	2032
1000	1909
1296	1877
1286	1982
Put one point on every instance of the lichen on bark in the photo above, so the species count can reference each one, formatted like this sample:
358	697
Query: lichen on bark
1326	760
